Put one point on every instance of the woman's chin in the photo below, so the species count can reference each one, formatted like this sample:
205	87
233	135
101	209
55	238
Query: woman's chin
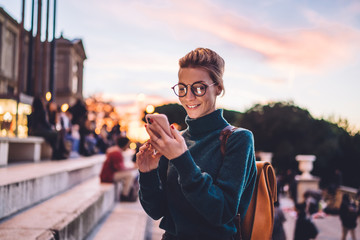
195	114
192	115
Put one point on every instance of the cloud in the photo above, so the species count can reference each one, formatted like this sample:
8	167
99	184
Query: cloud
117	61
325	45
352	10
272	81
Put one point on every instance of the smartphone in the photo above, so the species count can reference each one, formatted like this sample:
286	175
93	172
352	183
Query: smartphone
160	119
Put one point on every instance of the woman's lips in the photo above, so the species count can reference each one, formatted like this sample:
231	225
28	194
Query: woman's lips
192	106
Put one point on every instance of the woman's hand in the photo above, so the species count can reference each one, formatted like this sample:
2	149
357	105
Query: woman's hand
170	147
147	159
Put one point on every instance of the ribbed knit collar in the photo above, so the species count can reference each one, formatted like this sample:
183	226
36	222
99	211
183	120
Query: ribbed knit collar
206	124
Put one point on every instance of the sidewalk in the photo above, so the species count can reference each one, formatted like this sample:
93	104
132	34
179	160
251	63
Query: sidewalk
125	216
127	221
329	227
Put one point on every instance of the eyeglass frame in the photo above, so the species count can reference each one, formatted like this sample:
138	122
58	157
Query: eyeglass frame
192	89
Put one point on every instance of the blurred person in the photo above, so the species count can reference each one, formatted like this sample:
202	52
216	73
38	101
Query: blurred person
39	125
79	112
305	229
291	184
187	182
79	117
312	199
279	219
137	149
115	132
103	139
61	126
348	217
336	182
280	182
114	169
53	115
90	138
72	134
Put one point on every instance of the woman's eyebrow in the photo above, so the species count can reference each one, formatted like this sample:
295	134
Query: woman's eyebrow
201	81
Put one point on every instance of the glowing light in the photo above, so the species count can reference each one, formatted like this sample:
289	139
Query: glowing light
7	117
89	101
150	108
97	131
108	108
176	126
48	96
64	107
133	146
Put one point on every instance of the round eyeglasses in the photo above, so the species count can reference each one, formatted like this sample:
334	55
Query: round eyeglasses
198	89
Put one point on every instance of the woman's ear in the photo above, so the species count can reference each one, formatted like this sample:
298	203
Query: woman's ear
218	90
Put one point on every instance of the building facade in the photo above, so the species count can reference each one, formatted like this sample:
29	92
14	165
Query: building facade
70	57
18	85
9	32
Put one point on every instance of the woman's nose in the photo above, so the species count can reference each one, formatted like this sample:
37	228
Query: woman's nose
189	94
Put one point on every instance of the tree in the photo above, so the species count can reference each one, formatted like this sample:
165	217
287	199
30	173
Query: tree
288	130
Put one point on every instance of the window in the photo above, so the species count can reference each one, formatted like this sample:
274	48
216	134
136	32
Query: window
9	52
1	27
75	82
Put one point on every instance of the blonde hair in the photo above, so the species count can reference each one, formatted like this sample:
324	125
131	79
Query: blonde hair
208	60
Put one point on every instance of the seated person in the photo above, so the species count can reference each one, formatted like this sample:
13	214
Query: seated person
39	125
114	169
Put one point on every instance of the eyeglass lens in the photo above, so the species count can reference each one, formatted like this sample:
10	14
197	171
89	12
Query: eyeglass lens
198	89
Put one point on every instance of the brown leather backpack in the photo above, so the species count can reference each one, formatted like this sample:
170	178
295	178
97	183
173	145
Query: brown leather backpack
259	219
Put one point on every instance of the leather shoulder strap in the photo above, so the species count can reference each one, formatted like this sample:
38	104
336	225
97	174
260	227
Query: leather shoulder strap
224	135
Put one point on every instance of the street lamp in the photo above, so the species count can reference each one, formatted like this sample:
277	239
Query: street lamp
150	108
48	96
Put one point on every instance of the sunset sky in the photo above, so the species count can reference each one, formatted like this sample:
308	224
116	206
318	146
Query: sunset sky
275	50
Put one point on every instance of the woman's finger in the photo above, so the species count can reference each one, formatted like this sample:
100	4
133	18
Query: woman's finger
158	130
151	132
176	134
142	148
153	138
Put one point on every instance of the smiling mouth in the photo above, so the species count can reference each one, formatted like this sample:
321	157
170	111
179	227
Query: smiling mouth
193	106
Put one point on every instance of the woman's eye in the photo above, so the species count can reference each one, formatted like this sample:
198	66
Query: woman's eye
199	88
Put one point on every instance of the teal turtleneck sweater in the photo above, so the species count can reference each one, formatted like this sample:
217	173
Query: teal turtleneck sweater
199	193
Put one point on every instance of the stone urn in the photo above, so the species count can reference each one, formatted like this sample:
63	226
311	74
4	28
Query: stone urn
265	156
305	165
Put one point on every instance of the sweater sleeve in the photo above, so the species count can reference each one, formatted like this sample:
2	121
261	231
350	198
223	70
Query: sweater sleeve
218	201
151	194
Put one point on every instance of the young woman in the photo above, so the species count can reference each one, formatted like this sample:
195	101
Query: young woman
188	183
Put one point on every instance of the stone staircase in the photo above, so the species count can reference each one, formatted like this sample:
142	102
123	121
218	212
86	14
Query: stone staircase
54	199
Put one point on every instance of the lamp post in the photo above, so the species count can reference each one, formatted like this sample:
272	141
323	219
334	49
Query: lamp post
52	57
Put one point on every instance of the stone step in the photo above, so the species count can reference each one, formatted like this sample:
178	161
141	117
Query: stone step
70	215
24	185
127	221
